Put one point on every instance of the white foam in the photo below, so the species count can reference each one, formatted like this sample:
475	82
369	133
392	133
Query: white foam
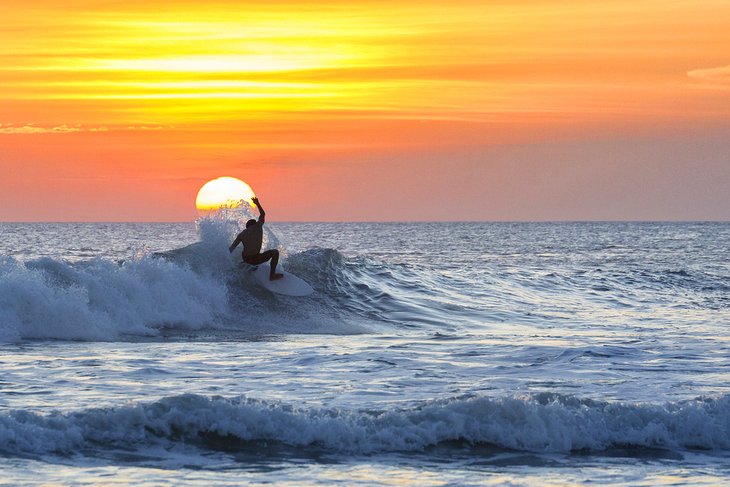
556	424
101	300
194	287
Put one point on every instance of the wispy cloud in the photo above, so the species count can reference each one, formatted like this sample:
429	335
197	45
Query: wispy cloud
713	77
34	129
31	128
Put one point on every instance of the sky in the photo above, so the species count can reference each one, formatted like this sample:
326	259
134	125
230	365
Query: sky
367	110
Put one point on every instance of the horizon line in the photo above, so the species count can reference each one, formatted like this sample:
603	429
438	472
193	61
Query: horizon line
364	221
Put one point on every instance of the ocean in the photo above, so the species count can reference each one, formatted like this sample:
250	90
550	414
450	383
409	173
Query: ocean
429	354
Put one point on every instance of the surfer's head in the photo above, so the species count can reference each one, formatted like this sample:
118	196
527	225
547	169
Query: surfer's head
250	222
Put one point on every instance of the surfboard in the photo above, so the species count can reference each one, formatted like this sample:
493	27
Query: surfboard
289	285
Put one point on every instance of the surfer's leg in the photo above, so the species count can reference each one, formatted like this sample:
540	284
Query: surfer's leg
274	253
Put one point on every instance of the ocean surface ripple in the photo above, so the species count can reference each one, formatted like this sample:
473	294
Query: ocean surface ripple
522	352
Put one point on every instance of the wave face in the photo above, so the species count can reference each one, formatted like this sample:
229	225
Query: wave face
546	423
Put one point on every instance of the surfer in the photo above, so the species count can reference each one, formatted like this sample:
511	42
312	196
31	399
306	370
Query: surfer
252	238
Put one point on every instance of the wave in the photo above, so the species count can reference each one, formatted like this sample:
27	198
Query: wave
199	286
189	289
101	300
545	423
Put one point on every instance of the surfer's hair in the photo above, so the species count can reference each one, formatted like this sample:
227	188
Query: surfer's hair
250	222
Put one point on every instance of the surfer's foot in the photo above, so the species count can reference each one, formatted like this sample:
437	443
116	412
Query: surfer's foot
274	277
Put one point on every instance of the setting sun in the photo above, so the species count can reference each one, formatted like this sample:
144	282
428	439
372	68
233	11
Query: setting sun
223	192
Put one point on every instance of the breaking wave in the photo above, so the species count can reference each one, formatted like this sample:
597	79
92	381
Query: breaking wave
539	423
198	287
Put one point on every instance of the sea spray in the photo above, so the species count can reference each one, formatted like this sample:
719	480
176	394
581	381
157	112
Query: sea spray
219	228
103	300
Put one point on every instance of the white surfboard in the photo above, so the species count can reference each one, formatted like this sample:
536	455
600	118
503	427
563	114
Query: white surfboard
289	285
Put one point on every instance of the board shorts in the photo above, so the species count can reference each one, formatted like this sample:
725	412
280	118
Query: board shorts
259	258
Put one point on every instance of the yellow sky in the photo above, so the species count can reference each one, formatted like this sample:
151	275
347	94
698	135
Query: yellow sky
228	78
182	62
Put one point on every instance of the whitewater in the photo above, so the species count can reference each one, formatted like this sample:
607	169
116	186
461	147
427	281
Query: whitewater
429	354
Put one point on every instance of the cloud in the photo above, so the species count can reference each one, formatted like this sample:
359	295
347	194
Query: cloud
31	128
717	77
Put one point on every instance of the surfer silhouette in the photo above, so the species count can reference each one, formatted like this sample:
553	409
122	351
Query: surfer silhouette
252	239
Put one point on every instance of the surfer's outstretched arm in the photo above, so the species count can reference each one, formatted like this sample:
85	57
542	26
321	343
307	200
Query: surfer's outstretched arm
235	243
262	213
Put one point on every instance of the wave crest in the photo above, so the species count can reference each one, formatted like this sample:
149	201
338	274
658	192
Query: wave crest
542	423
102	300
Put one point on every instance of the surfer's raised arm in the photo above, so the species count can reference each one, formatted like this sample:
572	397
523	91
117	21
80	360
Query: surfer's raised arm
262	213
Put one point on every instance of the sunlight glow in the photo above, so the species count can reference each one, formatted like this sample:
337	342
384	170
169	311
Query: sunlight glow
185	64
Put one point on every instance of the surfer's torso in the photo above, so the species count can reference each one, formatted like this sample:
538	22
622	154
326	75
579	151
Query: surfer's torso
252	238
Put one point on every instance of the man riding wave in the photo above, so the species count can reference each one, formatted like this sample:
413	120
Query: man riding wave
252	238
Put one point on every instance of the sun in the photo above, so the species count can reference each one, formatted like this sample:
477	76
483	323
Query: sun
223	192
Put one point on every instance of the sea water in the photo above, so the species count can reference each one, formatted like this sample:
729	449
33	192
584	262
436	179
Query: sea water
429	354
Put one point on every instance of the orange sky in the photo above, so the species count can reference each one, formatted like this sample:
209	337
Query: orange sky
366	110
